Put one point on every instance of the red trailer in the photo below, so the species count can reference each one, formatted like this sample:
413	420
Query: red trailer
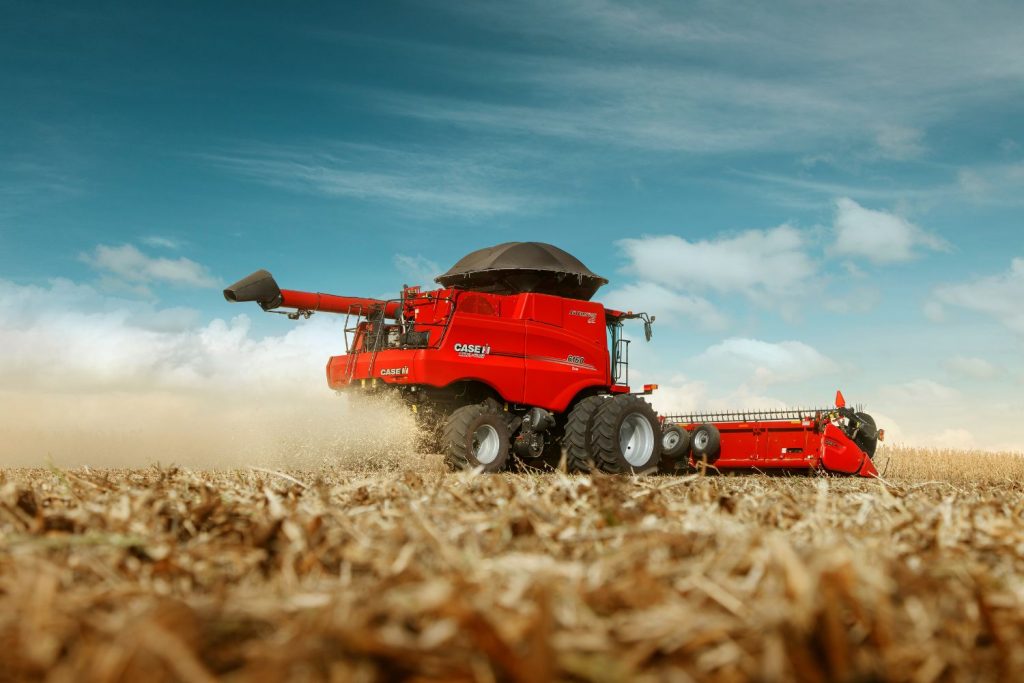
839	439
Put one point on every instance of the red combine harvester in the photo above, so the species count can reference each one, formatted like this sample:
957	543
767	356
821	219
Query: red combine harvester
510	358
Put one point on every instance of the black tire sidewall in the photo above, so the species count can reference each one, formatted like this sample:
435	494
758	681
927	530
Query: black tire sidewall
608	421
458	437
496	420
714	446
681	448
578	437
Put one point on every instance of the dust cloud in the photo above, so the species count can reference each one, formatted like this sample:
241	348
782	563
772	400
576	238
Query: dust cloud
205	430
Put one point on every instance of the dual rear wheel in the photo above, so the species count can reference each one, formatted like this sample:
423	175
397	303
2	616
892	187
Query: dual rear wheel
617	435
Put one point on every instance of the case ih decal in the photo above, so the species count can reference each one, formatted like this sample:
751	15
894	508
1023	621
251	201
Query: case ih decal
394	372
472	350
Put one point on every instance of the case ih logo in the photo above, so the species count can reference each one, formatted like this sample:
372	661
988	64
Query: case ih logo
472	350
589	315
394	372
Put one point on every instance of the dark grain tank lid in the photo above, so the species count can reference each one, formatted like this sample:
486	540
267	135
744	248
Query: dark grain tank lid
516	267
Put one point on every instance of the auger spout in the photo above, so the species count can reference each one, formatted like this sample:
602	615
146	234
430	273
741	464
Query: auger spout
264	290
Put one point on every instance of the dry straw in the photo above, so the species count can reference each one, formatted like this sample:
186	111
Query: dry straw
340	573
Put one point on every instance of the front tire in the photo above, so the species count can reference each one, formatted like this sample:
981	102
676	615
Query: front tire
476	436
626	436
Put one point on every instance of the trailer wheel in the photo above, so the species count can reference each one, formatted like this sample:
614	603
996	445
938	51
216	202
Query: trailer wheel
707	442
626	436
476	436
867	442
675	444
578	433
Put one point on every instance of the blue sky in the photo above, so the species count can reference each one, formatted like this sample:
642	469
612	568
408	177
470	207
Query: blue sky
808	195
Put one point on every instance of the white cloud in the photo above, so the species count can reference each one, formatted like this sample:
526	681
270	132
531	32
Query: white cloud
992	183
899	142
757	263
160	242
934	311
855	301
669	306
919	393
416	270
87	377
770	363
130	265
66	336
972	368
999	296
711	77
879	236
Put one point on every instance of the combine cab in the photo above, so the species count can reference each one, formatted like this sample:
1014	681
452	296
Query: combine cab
509	358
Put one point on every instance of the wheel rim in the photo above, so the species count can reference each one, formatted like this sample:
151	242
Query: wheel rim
486	444
701	439
636	439
669	440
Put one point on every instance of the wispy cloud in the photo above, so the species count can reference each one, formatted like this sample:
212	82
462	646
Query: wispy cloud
417	270
410	181
760	264
134	268
879	236
997	296
160	242
711	78
770	362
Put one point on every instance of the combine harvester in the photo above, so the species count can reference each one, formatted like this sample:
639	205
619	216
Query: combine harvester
510	358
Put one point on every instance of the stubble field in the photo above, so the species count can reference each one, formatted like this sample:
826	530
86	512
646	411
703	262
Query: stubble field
405	571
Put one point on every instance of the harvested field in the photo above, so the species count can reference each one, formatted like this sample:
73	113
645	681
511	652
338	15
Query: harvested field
339	574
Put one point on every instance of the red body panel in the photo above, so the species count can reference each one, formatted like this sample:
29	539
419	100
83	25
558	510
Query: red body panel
531	349
789	444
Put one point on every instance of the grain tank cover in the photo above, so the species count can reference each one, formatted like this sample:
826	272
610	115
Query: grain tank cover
516	267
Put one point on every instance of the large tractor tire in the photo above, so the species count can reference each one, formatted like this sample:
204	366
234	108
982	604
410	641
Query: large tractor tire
577	439
706	443
675	445
867	442
476	436
626	436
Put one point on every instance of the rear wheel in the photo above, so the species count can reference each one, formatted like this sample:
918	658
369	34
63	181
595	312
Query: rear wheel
476	436
675	445
626	436
577	439
707	443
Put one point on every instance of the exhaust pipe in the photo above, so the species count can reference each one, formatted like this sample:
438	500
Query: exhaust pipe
259	287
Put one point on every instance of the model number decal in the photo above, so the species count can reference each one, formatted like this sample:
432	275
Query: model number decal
591	316
577	360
